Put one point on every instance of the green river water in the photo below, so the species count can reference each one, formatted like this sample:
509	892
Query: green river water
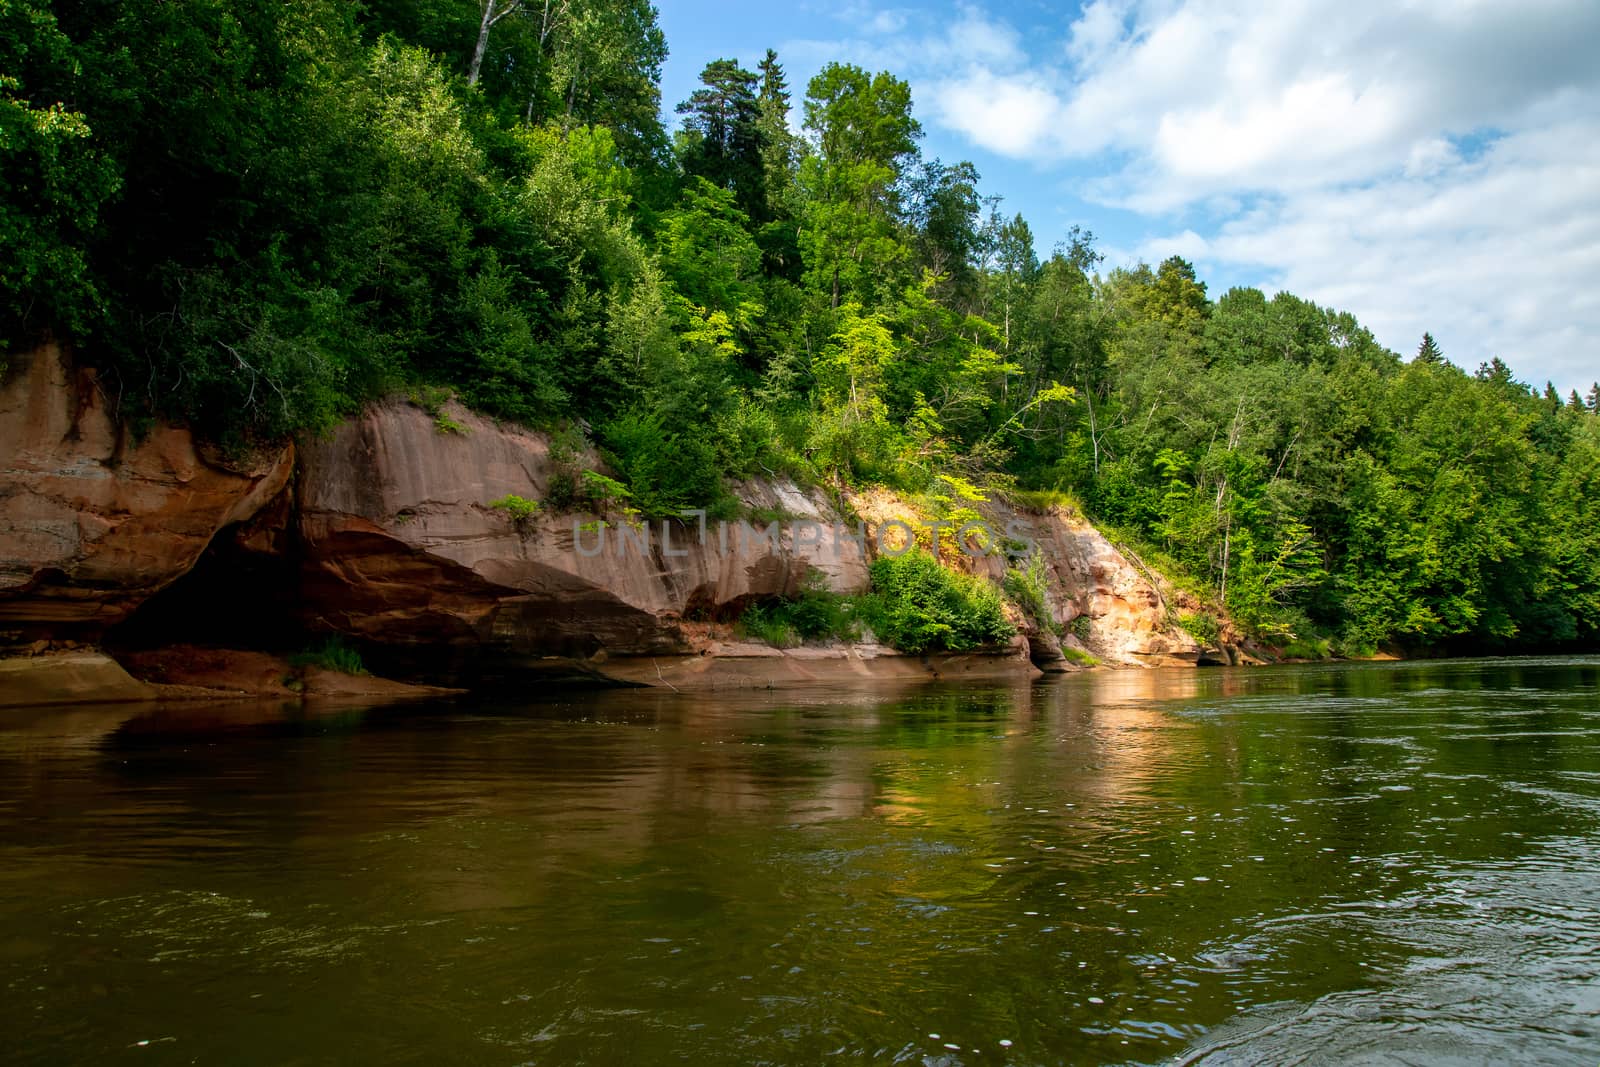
1377	863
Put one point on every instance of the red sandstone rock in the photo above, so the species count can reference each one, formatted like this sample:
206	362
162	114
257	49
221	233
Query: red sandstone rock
94	520
401	545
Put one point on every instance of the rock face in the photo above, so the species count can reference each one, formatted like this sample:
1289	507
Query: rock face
389	536
94	520
1105	603
400	545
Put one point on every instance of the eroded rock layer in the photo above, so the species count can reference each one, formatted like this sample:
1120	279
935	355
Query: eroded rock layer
94	518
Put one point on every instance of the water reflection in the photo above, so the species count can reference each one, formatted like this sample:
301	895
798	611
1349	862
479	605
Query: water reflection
1131	866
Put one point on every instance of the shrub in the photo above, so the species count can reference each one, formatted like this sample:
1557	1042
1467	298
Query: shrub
918	606
665	471
333	654
744	438
562	494
1028	587
519	509
602	493
814	614
1308	648
1203	627
766	623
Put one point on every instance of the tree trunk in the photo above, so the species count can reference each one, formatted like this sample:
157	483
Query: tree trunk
483	41
1227	538
1094	433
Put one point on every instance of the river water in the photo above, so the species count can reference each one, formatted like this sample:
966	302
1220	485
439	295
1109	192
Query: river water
1386	863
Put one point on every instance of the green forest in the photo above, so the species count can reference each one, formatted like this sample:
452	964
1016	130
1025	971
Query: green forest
256	216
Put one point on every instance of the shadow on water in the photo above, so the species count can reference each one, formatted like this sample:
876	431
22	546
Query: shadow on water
1382	862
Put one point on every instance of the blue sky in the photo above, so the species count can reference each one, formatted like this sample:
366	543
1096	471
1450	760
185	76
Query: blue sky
1427	165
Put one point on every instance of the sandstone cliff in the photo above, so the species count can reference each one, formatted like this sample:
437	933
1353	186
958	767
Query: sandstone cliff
94	519
385	532
400	545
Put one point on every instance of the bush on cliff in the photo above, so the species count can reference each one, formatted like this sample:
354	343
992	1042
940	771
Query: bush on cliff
918	606
814	614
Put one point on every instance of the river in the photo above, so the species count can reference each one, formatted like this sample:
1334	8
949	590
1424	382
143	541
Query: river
1384	863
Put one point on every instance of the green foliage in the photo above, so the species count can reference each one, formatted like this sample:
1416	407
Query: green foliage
919	606
709	256
432	399
1028	587
520	510
333	654
813	614
1308	648
666	471
1202	627
55	180
723	137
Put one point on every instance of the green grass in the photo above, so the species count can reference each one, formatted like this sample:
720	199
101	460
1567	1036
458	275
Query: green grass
332	654
1045	500
1079	656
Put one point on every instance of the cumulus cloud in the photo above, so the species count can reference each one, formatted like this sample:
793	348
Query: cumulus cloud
1212	95
1005	115
1493	255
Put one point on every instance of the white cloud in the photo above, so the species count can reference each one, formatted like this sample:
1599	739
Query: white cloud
971	41
1495	256
1207	96
1188	244
1005	115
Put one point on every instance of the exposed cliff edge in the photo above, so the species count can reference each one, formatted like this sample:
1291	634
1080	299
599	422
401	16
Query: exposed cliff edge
384	532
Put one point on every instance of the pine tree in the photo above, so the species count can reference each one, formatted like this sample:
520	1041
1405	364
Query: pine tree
1428	351
725	137
779	146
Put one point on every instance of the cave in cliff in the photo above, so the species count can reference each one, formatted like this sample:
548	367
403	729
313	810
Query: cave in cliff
241	593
